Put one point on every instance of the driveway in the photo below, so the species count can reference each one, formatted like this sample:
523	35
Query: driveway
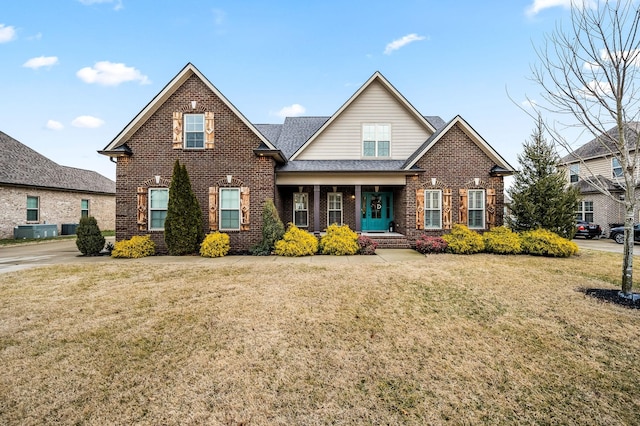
602	244
30	255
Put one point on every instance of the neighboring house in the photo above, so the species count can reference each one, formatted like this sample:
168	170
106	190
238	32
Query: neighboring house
36	190
377	164
592	167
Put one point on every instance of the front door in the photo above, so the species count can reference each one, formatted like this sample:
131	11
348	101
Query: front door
377	211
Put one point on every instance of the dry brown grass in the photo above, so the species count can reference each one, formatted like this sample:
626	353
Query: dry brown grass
451	339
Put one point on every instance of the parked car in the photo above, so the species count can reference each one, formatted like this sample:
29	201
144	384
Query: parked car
617	233
588	230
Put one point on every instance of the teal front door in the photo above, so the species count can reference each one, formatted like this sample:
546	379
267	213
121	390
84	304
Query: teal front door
377	210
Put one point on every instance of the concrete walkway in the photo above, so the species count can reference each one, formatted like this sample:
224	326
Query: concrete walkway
31	255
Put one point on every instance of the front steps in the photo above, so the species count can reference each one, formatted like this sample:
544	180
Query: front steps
389	240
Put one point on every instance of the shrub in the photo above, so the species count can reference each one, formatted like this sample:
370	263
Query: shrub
272	230
428	244
339	241
89	239
215	244
296	242
502	240
462	240
134	248
183	229
367	245
542	242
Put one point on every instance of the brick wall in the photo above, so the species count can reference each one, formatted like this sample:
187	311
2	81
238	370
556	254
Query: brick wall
56	207
233	155
454	161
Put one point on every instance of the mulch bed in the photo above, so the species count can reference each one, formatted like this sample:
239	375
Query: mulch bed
610	296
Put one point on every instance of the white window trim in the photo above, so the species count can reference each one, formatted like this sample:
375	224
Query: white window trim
483	209
341	210
376	141
87	209
37	209
572	173
204	132
221	209
151	209
613	168
582	211
296	209
439	209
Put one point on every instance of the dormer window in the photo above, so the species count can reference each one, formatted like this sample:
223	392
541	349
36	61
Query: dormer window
194	131
616	168
376	140
574	173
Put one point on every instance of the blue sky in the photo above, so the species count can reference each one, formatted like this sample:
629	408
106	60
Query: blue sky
75	72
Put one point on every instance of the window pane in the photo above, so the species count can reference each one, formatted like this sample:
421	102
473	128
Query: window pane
475	219
369	148
383	149
230	219
84	204
335	217
194	122
432	218
32	215
368	132
384	133
195	140
157	219
159	198
32	202
230	198
300	201
300	218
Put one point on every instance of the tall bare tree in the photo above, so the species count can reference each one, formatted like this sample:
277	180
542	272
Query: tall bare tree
589	72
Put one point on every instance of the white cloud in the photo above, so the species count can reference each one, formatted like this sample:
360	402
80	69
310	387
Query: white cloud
291	111
111	74
529	103
54	125
401	42
7	33
538	5
41	61
590	66
118	3
87	122
218	16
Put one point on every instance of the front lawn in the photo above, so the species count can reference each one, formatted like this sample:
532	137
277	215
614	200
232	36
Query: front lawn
479	339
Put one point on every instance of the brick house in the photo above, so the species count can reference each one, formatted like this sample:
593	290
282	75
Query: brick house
35	190
376	164
594	170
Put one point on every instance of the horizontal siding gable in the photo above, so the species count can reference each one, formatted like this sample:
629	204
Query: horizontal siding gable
342	140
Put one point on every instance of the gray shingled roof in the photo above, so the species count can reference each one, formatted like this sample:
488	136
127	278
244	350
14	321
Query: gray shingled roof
295	131
342	166
22	166
604	143
585	186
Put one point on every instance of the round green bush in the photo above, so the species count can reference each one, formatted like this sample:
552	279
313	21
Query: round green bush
296	242
215	244
502	240
542	242
462	240
339	241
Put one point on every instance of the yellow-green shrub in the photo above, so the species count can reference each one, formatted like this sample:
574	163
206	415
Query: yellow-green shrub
545	243
462	240
296	242
502	240
134	248
339	240
215	244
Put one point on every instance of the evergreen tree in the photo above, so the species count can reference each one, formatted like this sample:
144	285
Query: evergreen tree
89	239
272	229
540	195
183	229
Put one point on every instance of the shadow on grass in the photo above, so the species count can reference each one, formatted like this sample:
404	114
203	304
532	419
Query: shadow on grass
610	296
